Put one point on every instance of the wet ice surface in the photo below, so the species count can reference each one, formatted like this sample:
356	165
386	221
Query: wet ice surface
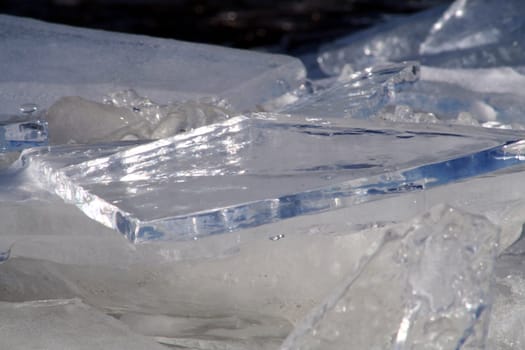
381	207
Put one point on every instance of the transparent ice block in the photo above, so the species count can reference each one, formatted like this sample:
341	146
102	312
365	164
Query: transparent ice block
248	171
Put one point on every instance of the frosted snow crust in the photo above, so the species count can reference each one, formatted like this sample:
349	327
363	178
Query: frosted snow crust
43	62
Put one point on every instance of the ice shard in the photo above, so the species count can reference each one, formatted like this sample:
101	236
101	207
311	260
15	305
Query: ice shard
469	34
454	104
127	116
507	319
245	171
357	95
474	23
424	285
396	40
43	62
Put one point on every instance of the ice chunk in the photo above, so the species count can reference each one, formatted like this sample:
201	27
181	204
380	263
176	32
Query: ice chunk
405	114
501	54
22	133
43	62
396	40
76	120
4	253
469	34
474	23
426	284
245	171
127	116
502	80
64	324
488	97
451	103
508	312
358	95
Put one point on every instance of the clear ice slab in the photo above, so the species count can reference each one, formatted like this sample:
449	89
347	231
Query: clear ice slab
43	62
424	285
246	171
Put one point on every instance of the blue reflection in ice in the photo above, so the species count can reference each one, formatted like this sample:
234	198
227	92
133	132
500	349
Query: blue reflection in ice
17	135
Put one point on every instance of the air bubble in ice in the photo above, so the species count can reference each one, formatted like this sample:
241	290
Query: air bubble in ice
277	237
28	108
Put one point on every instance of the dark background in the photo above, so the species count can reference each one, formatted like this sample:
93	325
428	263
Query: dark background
281	26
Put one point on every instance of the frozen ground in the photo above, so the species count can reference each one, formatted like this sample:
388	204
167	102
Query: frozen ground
159	194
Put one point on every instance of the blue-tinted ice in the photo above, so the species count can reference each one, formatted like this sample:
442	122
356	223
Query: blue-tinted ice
19	134
256	169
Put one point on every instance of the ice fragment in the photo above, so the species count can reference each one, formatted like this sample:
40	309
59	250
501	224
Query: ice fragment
127	116
393	41
426	285
358	95
475	23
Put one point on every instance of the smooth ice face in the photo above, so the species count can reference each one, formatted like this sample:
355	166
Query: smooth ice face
245	171
43	62
424	285
357	95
